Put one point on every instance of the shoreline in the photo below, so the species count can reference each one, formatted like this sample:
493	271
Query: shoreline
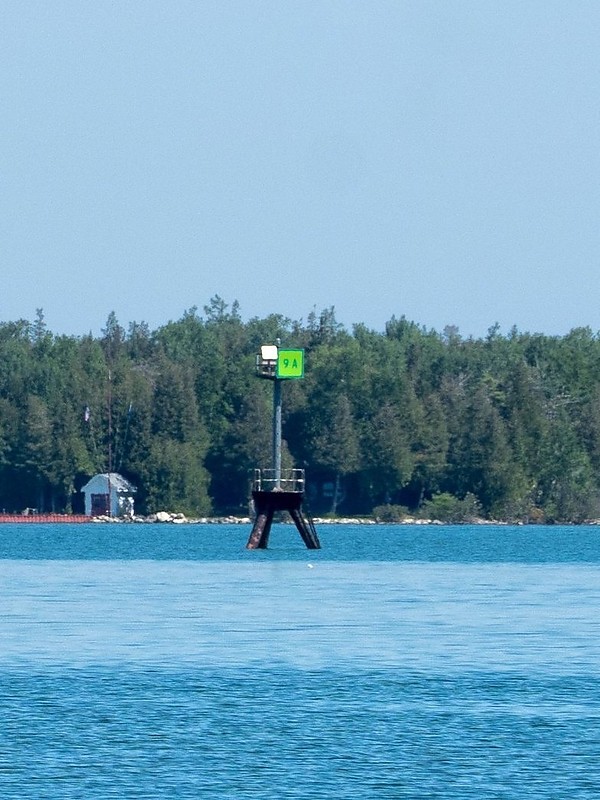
177	518
166	517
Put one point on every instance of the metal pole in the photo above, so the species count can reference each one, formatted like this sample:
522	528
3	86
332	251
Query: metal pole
109	402
277	432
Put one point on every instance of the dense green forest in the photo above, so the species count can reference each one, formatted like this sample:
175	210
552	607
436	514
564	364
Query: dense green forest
507	426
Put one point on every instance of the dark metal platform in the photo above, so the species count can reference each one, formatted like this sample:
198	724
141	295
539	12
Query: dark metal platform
284	494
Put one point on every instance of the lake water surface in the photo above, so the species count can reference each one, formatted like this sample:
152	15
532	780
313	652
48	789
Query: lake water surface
164	661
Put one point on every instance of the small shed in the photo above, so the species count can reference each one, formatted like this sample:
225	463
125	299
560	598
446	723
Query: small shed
110	494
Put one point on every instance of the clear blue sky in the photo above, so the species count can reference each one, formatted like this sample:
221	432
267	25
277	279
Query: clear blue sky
433	159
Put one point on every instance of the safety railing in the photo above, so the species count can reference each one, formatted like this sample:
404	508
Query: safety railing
267	480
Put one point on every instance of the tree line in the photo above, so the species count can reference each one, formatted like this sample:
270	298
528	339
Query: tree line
408	420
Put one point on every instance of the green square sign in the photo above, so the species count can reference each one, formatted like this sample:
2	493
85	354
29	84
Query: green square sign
290	364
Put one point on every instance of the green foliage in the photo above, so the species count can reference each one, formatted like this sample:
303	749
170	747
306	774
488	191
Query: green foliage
390	513
407	420
176	478
445	507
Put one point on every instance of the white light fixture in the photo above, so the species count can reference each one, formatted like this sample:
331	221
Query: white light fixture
268	352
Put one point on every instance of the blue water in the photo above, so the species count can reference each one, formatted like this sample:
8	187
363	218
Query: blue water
162	661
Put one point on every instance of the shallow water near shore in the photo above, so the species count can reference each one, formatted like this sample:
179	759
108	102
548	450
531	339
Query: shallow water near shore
162	661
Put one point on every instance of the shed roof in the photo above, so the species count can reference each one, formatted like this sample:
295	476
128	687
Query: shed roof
117	483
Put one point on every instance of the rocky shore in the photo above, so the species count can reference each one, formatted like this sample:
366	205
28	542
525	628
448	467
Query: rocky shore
177	518
168	517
